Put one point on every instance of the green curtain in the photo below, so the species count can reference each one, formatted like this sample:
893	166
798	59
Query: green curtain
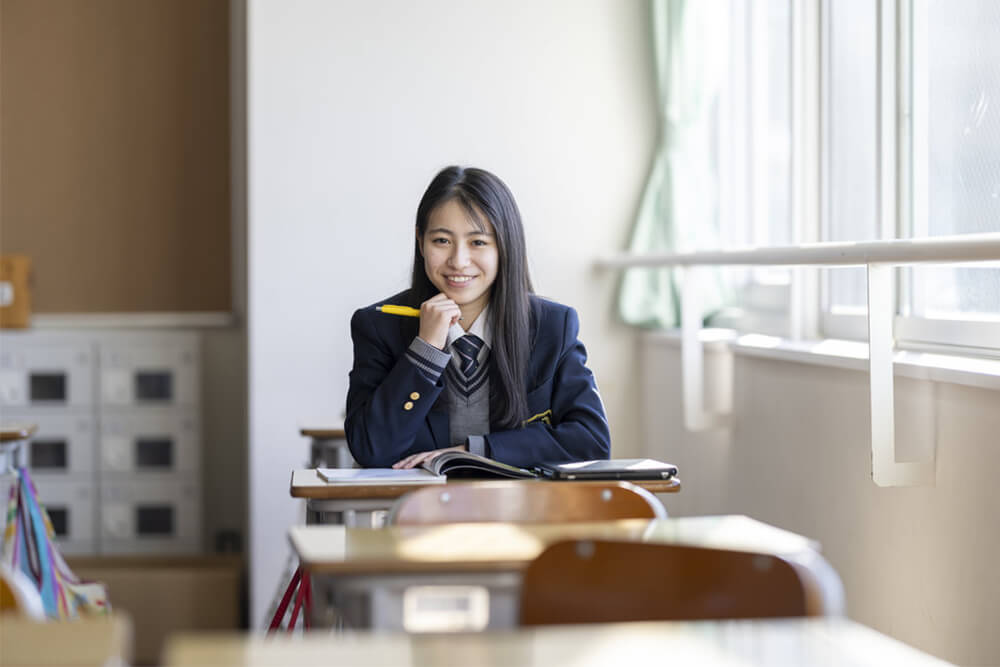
679	207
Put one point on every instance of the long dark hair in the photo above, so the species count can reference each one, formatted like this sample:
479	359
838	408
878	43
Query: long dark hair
481	193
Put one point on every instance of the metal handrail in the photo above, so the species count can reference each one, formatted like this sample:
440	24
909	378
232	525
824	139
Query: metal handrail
878	257
939	250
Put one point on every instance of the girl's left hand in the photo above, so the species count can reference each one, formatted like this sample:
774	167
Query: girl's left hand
414	460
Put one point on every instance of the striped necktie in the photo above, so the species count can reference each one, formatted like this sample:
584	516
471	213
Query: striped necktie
473	374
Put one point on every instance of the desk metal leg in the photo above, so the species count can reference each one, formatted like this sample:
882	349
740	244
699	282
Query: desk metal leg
331	453
325	614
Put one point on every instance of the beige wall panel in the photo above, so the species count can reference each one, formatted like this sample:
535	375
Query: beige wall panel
114	161
917	563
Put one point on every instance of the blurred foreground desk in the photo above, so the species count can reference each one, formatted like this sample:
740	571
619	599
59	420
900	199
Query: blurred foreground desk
99	641
389	579
834	642
361	504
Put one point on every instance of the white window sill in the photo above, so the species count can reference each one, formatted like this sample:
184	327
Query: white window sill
852	355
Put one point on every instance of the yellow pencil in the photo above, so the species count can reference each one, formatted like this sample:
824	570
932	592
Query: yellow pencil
405	311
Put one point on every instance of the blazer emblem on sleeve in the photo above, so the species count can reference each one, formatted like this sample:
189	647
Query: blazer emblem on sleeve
541	416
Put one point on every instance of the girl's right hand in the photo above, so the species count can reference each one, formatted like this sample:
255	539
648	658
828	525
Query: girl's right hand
437	314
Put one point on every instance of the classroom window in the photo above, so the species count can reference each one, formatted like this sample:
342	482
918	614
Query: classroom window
908	119
945	153
951	164
752	131
849	155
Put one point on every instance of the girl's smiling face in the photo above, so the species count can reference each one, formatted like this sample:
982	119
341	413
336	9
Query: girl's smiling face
460	259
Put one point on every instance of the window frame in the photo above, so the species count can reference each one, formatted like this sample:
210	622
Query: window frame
762	301
800	307
911	25
840	322
899	177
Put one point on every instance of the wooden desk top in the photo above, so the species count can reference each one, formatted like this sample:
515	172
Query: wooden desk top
323	433
15	432
308	484
489	547
85	641
802	642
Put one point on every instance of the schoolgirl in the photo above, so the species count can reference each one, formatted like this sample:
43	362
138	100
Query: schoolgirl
487	366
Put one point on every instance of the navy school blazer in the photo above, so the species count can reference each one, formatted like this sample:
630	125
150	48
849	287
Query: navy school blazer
391	411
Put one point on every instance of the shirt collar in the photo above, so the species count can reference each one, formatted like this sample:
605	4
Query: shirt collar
480	328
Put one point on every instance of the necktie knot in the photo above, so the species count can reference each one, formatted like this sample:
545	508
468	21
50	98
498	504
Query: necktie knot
468	348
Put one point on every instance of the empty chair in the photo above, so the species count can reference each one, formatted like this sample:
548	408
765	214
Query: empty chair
595	581
525	502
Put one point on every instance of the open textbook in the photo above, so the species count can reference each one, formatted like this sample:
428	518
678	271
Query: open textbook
468	465
379	476
448	464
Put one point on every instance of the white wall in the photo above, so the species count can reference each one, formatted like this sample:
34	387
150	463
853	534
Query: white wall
352	108
919	564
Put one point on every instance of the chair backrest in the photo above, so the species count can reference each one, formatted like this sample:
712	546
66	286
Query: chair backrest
525	502
597	581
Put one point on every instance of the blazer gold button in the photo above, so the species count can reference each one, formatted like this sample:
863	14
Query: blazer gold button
408	405
415	395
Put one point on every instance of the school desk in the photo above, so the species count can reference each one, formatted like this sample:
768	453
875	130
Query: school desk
12	437
385	579
364	504
97	641
328	446
814	642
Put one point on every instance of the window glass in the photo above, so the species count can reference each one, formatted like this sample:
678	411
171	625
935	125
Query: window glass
752	135
955	72
851	144
779	123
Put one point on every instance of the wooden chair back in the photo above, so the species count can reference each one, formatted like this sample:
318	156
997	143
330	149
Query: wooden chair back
597	581
525	502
